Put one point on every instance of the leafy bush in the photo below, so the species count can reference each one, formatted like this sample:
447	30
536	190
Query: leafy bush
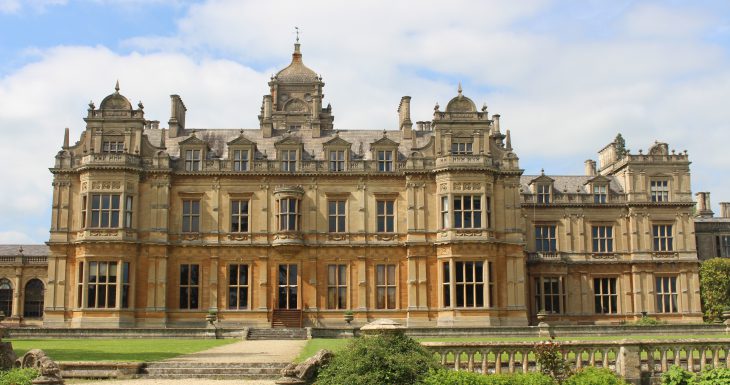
717	376
676	375
594	376
648	321
715	287
451	377
551	362
377	360
18	376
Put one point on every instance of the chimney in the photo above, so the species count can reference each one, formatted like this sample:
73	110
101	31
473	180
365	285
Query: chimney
404	117
590	167
65	139
725	209
704	209
177	116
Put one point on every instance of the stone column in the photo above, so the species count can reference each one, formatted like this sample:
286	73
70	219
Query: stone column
412	283
362	288
213	285
628	362
263	282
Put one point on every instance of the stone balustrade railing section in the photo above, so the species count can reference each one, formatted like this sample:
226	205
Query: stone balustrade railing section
632	359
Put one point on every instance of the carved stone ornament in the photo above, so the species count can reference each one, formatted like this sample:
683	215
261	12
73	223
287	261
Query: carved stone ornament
296	105
103	233
468	233
336	237
386	237
106	185
50	372
604	256
238	236
305	372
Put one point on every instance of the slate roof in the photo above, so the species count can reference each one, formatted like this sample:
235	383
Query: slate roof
570	184
28	250
311	145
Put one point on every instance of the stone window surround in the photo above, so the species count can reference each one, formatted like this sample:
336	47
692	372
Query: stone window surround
393	197
488	283
337	285
249	286
668	288
486	211
82	268
85	212
610	295
660	189
386	285
539	291
246	196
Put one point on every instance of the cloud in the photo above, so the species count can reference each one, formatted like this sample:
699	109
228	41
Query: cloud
631	69
15	238
15	6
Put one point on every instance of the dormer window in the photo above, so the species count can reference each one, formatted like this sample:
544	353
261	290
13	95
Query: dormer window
600	193
240	153
385	161
459	147
288	160
337	160
112	146
192	160
240	160
543	193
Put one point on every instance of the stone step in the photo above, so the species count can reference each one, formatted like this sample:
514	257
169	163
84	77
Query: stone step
213	376
204	365
277	334
213	371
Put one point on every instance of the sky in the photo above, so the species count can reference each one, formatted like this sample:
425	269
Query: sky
565	76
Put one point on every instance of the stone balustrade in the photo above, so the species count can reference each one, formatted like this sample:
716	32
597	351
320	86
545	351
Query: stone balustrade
634	359
24	260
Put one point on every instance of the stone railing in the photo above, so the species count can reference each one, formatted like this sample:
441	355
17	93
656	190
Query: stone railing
632	359
24	260
301	166
573	198
111	159
464	160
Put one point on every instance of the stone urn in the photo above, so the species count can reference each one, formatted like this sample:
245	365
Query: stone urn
211	317
541	316
348	316
726	316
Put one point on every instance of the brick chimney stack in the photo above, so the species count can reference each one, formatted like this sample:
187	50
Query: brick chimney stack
704	209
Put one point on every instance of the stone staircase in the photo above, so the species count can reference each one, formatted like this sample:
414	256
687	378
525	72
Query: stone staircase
212	370
277	334
286	318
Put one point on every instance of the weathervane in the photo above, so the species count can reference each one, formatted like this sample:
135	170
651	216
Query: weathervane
297	29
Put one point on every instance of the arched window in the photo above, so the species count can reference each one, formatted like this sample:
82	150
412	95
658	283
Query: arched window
33	304
6	297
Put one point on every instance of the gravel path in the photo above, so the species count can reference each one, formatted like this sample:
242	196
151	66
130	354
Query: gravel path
191	381
248	351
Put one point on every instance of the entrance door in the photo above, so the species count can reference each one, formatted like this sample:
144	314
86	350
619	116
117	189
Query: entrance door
288	289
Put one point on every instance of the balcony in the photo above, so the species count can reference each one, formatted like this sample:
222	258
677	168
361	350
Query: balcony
111	160
463	161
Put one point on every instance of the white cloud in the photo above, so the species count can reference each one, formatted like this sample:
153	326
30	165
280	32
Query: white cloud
14	6
15	238
562	97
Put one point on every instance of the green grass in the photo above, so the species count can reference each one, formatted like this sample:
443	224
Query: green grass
126	350
336	344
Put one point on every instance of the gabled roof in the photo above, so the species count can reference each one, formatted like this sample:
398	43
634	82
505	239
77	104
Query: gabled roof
598	178
288	140
337	141
193	140
241	141
542	179
384	142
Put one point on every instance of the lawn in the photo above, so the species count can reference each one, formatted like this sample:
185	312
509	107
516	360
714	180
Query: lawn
336	344
126	350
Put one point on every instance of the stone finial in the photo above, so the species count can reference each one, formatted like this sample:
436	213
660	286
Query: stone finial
140	105
459	90
484	108
508	141
65	138
542	171
116	87
20	250
91	105
436	107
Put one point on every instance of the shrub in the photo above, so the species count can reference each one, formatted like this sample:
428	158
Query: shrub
647	321
377	360
715	287
451	377
550	360
18	376
676	375
718	376
594	376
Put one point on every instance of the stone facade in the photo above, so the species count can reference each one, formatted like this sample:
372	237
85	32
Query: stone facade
712	233
432	225
23	278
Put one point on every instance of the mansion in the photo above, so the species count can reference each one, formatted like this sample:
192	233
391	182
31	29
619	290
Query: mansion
296	222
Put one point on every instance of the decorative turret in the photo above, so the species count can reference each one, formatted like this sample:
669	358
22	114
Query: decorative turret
295	100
